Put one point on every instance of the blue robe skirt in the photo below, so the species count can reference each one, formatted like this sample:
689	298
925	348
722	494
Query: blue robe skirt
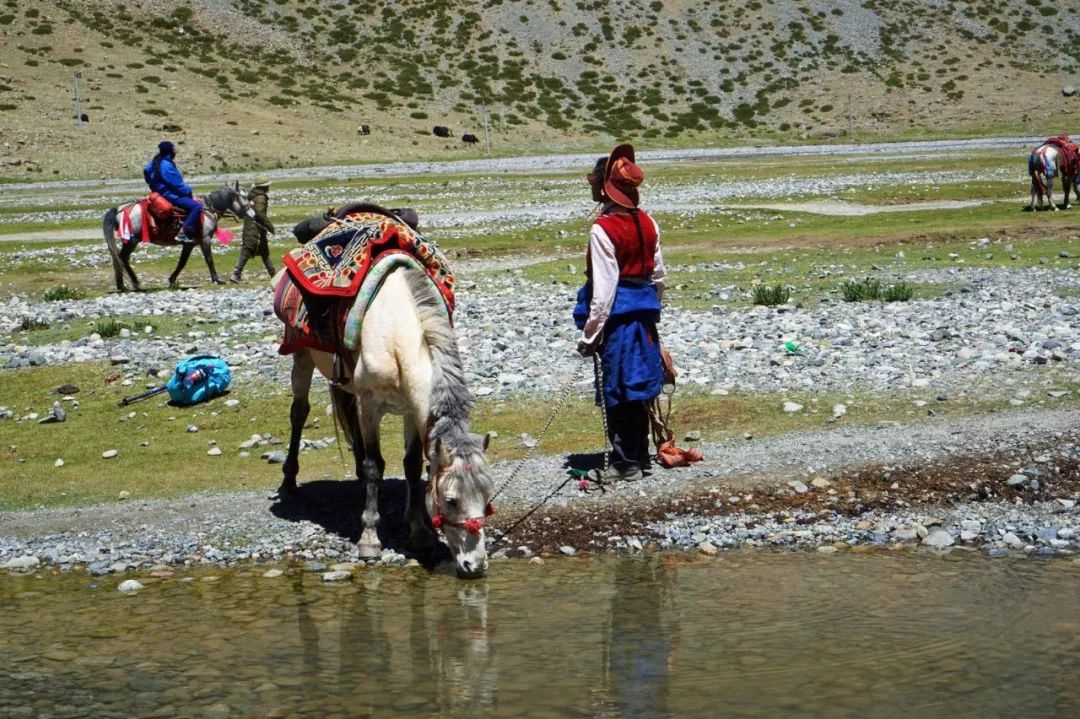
630	351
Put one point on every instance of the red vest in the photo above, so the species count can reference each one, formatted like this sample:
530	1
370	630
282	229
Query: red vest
634	251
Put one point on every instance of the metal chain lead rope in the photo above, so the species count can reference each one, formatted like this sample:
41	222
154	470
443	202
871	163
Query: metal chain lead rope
560	400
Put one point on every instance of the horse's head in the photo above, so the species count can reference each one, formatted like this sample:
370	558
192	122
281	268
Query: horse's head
235	201
459	500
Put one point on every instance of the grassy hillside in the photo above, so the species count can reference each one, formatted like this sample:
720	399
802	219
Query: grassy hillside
250	83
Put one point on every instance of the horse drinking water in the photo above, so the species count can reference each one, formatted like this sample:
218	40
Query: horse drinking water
127	221
406	362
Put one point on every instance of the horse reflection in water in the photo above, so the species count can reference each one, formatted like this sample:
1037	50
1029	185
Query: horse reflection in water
642	640
398	648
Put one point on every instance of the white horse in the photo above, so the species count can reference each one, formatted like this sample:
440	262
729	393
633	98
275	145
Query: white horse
1045	163
225	200
407	364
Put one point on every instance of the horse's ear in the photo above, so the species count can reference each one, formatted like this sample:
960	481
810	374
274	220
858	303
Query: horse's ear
487	441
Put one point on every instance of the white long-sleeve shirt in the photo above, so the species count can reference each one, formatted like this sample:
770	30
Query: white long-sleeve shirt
605	279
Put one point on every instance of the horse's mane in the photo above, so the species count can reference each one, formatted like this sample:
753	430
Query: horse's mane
451	401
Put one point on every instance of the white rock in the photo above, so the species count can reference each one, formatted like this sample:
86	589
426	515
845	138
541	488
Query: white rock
214	451
22	563
272	573
792	407
839	410
129	586
337	576
58	463
109	454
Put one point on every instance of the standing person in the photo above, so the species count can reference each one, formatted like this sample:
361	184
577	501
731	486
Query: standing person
619	306
164	178
253	241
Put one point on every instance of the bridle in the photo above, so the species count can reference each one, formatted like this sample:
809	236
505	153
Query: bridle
472	525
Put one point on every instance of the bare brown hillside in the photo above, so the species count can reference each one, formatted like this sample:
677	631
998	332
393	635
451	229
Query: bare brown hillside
254	83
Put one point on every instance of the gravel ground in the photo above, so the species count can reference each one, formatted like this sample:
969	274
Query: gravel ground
1004	332
1036	513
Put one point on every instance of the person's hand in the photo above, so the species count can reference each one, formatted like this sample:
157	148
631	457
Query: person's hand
586	349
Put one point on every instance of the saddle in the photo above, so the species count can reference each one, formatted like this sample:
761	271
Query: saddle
338	272
161	219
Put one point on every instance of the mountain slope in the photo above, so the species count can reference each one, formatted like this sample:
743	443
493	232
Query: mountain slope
281	82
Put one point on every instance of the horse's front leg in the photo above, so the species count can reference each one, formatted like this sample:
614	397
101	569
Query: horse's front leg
421	538
302	370
371	471
208	255
185	253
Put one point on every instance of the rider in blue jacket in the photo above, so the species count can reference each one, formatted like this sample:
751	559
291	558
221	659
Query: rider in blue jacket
163	177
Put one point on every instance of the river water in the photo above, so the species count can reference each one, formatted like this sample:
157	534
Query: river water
743	635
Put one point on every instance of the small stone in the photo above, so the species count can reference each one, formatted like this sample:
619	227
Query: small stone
109	454
792	407
1016	479
130	586
124	494
567	550
277	457
231	402
214	451
23	563
827	549
820	483
192	428
1012	540
707	548
58	463
536	560
839	410
798	486
864	524
692	436
938	538
272	573
1066	503
339	575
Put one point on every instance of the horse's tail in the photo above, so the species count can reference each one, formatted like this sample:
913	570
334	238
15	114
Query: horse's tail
451	401
344	404
108	226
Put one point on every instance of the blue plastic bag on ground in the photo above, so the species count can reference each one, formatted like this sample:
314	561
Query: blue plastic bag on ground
199	378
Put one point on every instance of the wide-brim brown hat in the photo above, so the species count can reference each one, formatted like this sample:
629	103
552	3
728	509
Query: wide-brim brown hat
622	177
261	182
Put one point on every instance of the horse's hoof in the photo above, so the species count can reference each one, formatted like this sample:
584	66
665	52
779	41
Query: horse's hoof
217	281
287	490
368	550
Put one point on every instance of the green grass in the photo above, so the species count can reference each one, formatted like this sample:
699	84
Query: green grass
175	462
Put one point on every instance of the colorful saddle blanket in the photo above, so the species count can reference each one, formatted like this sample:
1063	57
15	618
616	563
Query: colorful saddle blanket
321	282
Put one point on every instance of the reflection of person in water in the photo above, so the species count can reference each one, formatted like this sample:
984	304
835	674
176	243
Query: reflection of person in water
642	634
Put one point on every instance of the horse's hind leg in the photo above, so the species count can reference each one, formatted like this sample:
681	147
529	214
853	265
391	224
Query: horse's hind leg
185	253
371	470
302	370
208	255
421	538
125	260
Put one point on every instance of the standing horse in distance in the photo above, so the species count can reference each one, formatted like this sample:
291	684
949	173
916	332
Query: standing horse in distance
1047	161
223	201
407	364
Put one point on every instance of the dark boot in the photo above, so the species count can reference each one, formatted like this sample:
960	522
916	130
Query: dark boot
245	255
268	265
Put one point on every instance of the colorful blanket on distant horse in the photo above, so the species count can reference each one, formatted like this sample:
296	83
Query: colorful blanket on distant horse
1069	154
324	290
